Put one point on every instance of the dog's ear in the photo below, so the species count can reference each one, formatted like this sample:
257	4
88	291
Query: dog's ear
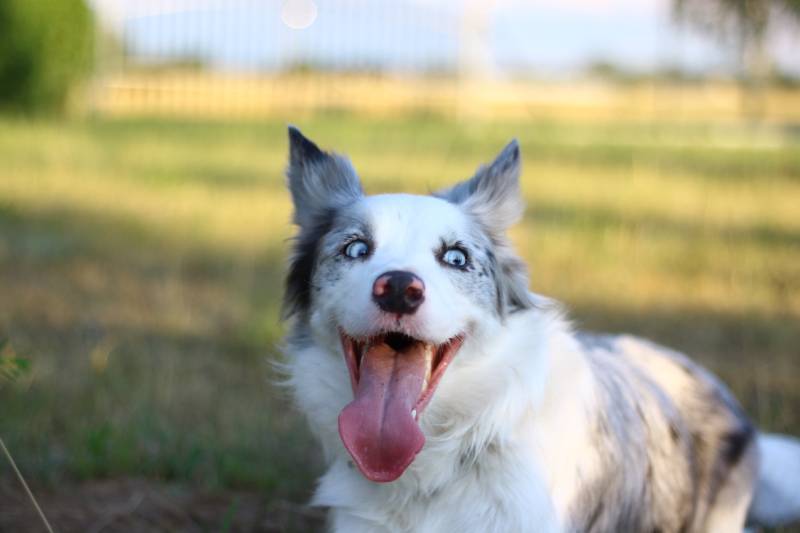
319	181
493	194
493	197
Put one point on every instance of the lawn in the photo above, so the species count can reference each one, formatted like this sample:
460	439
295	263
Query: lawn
141	264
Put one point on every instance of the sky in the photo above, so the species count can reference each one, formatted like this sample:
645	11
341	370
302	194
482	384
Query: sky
491	36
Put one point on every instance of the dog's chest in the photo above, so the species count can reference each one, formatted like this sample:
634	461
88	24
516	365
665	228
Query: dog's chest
500	492
527	484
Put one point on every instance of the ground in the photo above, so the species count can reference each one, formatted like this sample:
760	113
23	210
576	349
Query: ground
140	277
140	505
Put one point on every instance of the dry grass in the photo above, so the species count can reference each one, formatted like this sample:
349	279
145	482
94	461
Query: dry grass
192	94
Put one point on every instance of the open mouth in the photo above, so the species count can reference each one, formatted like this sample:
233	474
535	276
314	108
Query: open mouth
393	377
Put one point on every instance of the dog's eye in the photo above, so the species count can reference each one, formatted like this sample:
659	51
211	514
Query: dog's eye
356	249
455	257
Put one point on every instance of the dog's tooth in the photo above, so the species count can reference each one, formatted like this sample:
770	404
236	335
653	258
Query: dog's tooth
414	413
429	353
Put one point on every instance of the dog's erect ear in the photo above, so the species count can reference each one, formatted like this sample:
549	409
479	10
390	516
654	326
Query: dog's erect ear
318	180
493	197
493	194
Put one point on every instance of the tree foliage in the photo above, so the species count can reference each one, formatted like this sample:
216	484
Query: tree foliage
45	49
746	15
745	23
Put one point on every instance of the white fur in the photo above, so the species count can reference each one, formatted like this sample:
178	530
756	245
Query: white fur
504	400
533	427
499	400
408	230
777	499
509	443
529	417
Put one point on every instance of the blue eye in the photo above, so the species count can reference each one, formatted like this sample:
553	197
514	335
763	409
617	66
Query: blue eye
455	257
356	249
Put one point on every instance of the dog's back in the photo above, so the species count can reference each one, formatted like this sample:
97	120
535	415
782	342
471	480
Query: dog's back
678	451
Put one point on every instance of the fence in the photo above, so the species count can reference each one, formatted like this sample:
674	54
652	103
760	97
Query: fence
241	58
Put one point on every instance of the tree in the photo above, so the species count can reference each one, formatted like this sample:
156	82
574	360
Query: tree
746	24
45	49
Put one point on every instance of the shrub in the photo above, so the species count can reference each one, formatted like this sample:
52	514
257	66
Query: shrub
45	49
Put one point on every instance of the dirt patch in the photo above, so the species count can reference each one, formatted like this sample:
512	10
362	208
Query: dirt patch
138	505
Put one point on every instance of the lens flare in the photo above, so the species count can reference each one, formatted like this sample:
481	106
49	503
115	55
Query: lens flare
299	14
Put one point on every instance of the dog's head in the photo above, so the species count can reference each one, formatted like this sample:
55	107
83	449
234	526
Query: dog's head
394	285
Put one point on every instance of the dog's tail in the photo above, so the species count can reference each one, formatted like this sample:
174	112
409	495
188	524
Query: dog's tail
777	496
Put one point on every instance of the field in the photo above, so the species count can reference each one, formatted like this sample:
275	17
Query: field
141	264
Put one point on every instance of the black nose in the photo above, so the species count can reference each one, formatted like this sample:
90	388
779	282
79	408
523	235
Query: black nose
398	292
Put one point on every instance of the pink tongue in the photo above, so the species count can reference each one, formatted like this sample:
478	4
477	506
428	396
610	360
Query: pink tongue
377	427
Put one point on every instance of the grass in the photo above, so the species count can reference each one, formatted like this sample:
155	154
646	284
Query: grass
141	264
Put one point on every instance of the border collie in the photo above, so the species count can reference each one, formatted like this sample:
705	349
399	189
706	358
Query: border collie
449	398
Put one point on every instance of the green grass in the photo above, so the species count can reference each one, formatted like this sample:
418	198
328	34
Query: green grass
141	265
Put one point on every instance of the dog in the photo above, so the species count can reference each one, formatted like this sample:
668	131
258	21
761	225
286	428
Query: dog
449	398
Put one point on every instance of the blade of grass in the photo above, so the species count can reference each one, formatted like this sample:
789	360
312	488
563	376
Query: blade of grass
25	486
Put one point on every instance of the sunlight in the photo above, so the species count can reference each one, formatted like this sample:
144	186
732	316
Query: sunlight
299	14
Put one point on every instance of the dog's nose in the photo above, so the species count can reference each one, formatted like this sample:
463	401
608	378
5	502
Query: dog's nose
398	292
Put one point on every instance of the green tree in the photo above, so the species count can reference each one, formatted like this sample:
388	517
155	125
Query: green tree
46	47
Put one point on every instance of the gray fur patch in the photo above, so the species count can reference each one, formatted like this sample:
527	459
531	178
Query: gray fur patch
492	197
493	194
297	294
320	184
479	279
317	256
318	181
663	458
594	341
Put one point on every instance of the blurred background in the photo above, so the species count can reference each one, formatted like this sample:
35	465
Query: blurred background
144	222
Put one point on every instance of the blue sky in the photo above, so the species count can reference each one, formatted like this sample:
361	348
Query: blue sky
530	36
